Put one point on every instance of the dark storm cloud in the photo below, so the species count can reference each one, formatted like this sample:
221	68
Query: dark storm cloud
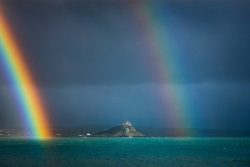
211	105
215	37
92	66
97	42
77	43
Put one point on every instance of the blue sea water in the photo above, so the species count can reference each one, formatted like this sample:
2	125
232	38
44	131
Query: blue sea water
119	152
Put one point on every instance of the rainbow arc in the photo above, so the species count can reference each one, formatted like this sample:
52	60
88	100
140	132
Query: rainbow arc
25	88
151	21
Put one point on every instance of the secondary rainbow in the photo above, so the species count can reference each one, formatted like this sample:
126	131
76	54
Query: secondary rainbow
166	66
26	93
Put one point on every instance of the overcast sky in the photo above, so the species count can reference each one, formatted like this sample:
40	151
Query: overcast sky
91	64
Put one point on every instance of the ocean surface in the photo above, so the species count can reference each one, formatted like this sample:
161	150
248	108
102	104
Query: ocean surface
122	152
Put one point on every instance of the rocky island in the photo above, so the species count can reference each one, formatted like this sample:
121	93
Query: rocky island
124	130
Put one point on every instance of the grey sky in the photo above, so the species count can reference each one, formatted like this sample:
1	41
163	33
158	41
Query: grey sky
91	64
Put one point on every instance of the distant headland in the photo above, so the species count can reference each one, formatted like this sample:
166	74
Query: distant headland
125	129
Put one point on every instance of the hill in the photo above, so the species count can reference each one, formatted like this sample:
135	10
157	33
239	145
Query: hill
124	130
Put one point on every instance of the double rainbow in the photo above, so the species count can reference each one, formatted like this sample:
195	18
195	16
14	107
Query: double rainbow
164	64
26	92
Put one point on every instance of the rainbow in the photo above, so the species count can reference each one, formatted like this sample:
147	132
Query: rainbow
26	92
164	64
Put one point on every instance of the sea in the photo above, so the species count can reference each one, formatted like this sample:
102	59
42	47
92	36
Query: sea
125	152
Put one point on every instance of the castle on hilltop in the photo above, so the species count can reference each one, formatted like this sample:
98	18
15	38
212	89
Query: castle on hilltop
127	123
124	130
